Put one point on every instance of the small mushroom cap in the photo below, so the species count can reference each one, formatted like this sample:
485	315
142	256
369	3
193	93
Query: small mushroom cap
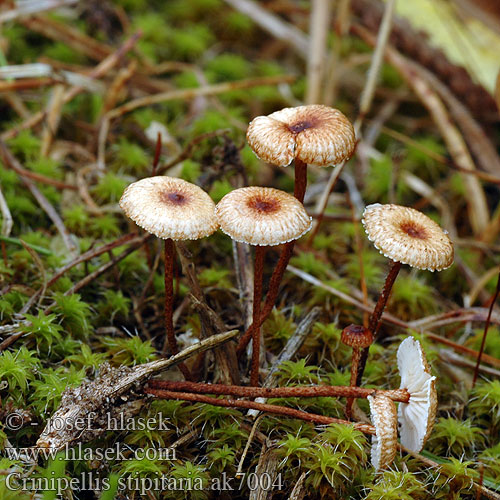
170	208
408	236
316	134
357	336
262	216
384	442
416	418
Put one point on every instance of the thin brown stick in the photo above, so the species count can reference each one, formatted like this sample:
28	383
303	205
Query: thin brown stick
13	164
251	405
485	333
318	391
69	35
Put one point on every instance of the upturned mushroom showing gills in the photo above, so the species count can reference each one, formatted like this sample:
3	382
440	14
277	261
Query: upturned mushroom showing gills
261	217
416	418
172	209
406	236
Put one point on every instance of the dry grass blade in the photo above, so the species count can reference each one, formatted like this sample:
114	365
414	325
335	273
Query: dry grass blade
318	31
7	221
30	7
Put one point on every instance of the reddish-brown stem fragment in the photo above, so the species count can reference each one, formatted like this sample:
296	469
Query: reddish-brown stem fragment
356	356
260	252
374	322
170	339
251	405
400	395
485	333
300	180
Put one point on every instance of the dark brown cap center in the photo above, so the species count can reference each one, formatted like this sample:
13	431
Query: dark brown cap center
414	230
300	126
265	206
174	198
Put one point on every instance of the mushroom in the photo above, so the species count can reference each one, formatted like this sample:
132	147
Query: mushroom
261	217
416	418
358	337
172	209
406	236
385	440
314	134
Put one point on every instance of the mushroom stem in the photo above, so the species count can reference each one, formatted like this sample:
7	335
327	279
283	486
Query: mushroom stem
356	356
170	339
260	252
300	180
374	322
400	395
276	409
271	296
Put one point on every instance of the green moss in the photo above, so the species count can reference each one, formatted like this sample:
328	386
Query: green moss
454	437
129	351
110	188
130	156
226	67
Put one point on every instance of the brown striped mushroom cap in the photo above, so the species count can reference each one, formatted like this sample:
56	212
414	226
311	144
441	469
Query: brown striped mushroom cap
408	236
385	440
416	418
170	208
357	336
262	216
315	134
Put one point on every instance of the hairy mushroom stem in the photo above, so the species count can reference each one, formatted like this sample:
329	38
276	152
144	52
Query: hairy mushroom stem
170	340
374	321
260	252
399	395
357	337
252	405
300	180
